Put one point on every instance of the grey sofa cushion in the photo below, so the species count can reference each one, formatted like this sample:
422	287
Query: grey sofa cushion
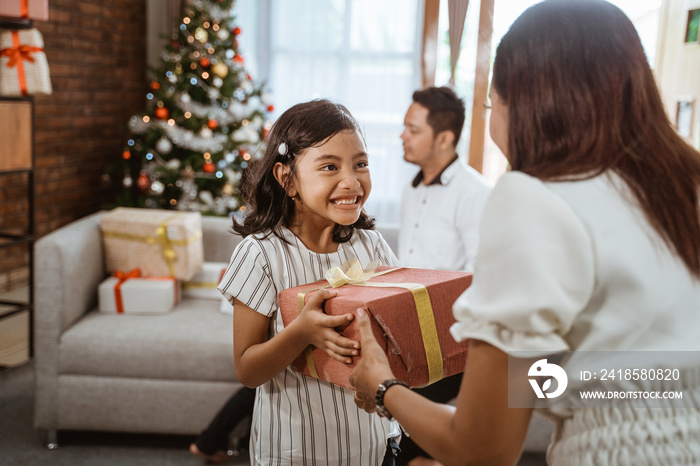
193	342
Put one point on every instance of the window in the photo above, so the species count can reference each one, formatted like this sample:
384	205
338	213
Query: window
691	32
644	14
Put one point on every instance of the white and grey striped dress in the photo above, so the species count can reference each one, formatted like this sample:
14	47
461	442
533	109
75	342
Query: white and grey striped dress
297	419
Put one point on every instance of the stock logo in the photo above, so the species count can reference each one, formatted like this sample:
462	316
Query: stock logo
542	368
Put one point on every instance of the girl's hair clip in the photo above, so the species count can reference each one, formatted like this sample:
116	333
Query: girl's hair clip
284	150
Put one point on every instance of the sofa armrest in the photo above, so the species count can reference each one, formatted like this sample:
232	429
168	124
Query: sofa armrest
68	267
219	239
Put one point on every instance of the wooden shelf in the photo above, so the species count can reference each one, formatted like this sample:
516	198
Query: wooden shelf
17	157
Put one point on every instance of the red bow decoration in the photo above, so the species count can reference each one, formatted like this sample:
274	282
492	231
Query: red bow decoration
19	52
122	277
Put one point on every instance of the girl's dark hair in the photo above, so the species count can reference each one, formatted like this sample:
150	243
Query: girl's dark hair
304	125
582	100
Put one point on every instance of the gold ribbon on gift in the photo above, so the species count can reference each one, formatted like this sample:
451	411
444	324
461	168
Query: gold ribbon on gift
160	238
196	285
17	54
352	273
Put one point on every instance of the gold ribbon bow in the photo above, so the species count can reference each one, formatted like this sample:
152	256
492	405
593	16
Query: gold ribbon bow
352	273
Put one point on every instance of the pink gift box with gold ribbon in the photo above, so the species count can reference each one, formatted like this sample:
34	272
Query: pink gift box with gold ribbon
411	312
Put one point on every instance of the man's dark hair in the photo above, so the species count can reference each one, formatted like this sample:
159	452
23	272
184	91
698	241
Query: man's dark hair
445	109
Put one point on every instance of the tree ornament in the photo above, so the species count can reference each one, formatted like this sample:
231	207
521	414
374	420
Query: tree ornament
201	35
212	124
155	85
209	167
126	155
127	182
236	31
157	188
162	113
143	182
206	133
239	59
173	164
164	146
227	189
220	69
204	62
188	172
223	34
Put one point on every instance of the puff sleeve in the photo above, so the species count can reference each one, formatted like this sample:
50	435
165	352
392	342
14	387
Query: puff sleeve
534	270
248	278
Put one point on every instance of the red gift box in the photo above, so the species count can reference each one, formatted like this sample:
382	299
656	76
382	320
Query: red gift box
411	319
25	9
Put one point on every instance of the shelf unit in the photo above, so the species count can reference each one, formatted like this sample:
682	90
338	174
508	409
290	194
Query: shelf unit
17	158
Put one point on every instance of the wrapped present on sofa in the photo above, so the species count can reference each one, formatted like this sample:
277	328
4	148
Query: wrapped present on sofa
130	293
25	9
23	66
203	284
225	307
159	242
411	313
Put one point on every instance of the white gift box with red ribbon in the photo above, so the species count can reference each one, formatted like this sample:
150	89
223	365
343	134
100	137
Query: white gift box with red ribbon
203	284
23	66
129	293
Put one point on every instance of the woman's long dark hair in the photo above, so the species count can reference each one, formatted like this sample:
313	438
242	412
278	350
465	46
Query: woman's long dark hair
582	100
304	125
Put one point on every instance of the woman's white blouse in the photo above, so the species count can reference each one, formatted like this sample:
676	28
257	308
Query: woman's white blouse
575	265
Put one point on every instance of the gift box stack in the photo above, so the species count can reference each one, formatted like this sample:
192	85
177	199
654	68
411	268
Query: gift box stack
24	69
411	312
154	255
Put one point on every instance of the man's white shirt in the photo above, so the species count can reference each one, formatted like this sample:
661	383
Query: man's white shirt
440	221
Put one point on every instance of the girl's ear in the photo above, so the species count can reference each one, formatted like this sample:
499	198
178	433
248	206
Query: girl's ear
282	173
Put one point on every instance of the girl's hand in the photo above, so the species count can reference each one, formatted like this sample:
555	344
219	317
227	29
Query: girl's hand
373	367
319	329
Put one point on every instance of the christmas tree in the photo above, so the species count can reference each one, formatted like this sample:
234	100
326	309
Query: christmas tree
204	120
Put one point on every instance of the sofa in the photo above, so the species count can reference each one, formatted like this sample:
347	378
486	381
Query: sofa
165	374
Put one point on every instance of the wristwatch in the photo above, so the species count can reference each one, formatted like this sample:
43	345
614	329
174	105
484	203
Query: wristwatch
379	398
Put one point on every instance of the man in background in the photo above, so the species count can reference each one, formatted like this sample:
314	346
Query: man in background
440	210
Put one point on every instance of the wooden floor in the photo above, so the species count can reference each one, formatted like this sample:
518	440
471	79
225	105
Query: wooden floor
14	331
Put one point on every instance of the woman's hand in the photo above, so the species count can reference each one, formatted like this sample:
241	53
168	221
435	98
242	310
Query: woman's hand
321	330
372	369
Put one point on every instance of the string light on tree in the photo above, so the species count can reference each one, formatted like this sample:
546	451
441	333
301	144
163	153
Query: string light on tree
205	117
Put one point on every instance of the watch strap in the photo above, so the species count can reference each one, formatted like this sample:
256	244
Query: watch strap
381	391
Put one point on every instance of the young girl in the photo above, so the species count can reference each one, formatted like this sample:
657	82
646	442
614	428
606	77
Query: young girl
306	195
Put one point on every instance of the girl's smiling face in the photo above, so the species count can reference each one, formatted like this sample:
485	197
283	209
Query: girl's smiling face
331	182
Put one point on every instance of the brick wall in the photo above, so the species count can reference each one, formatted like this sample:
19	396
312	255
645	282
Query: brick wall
97	58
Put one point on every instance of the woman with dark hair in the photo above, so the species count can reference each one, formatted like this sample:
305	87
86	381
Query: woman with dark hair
590	243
